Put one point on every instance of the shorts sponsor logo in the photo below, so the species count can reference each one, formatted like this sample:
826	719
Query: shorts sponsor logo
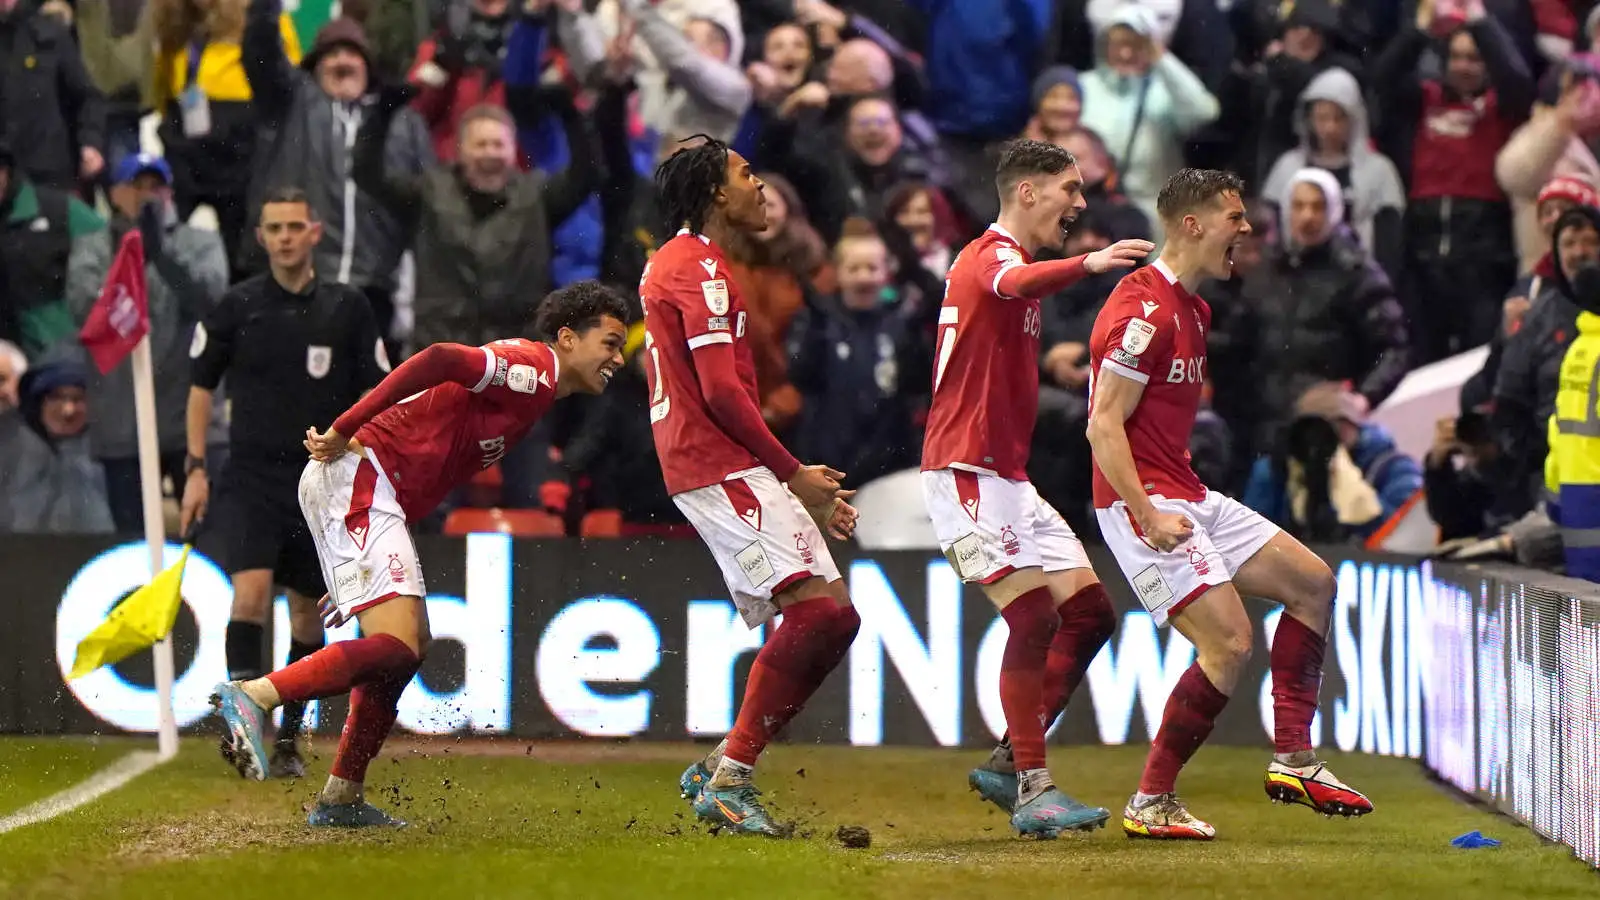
318	361
716	293
717	323
1152	588
754	564
349	584
1009	542
967	556
801	546
1137	335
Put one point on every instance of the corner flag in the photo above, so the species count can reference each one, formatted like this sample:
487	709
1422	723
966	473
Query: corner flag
137	623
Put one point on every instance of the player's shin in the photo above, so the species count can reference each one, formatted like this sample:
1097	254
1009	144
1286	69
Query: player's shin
1191	713
1031	620
373	707
814	637
1087	622
1297	653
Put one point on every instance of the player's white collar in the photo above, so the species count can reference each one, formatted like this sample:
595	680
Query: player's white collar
1166	271
703	239
995	227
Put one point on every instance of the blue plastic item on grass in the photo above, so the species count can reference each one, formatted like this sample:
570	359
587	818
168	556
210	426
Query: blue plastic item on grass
1472	840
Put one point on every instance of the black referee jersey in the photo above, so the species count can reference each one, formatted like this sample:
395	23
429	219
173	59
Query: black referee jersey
291	360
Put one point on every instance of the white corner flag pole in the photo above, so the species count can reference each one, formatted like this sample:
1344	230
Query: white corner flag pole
155	532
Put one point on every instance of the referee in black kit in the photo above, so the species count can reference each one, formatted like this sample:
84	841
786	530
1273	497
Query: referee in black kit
296	351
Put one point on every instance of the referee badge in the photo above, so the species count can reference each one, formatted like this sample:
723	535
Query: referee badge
318	360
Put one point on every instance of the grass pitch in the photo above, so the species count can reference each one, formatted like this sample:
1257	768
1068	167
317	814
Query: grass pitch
510	819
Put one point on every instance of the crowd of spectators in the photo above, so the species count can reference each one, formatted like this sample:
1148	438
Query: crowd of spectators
1407	164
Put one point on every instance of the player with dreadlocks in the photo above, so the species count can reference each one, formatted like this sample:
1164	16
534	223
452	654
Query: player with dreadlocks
760	511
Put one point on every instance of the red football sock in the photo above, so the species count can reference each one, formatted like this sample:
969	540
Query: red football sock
372	712
1032	620
789	668
1191	712
1087	622
337	668
1296	678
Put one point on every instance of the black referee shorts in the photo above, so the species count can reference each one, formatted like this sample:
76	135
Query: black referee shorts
254	522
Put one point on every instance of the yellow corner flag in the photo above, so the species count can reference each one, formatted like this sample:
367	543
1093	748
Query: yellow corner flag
145	617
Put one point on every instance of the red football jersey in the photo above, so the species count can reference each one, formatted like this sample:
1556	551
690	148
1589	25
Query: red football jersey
432	442
986	368
1154	331
690	301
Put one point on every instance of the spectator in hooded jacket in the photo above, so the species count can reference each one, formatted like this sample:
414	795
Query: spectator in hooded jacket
54	117
1301	43
186	270
1057	104
1444	134
1144	102
1331	119
318	108
1323	309
50	483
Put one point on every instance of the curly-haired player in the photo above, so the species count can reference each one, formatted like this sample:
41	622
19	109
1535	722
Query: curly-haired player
1190	552
428	427
756	507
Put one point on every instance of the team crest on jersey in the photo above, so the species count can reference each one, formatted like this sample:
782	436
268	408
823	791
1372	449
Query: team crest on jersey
716	294
1136	336
318	361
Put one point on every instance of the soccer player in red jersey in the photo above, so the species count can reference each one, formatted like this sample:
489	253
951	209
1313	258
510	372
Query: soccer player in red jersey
442	416
754	505
991	523
1188	552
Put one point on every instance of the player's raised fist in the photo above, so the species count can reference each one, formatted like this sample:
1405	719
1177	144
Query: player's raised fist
1121	255
816	485
1166	531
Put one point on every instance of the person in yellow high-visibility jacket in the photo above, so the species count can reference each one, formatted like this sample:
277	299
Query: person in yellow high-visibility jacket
1572	469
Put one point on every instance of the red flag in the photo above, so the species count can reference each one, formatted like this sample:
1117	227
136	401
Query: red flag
121	317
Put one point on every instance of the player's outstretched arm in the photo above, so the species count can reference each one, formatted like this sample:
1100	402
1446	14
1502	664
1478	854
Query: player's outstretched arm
1039	279
470	367
1115	397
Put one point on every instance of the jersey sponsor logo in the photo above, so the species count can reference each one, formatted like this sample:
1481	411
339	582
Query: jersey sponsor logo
197	344
1187	370
1123	358
716	294
381	355
526	379
1150	306
318	361
1030	320
738	330
1137	335
1152	588
493	448
710	265
717	323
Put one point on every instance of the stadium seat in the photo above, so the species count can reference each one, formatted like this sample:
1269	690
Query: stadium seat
484	488
601	523
517	522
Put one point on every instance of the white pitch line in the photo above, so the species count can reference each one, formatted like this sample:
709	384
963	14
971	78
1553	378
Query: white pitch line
95	786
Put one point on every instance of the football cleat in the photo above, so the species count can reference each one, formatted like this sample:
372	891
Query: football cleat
999	788
1165	818
244	724
351	815
692	780
738	810
1052	812
1315	787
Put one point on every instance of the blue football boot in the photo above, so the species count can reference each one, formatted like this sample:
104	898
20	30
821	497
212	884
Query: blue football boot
1052	812
244	723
